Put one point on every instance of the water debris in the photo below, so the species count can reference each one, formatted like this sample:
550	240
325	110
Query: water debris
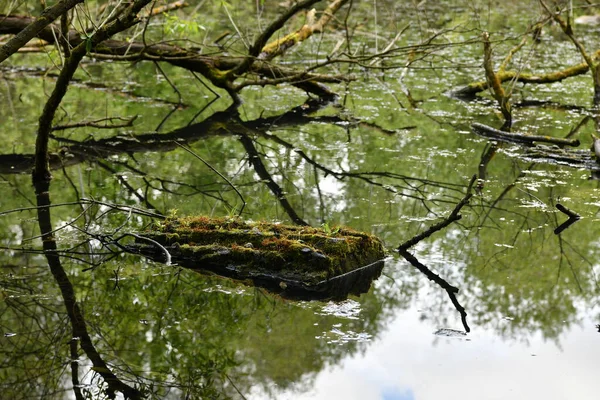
573	217
348	309
497	134
565	210
297	262
447	332
551	154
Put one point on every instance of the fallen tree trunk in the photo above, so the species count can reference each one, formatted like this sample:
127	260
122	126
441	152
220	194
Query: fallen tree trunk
294	261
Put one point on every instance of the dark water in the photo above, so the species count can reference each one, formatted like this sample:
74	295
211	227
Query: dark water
392	156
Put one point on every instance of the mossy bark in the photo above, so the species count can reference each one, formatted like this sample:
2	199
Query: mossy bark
498	91
295	261
473	88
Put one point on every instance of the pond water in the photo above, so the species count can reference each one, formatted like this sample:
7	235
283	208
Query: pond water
392	156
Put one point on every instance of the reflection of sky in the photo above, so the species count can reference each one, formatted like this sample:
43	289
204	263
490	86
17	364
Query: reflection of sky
396	394
408	362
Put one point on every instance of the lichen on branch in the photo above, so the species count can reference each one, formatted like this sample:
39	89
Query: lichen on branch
493	81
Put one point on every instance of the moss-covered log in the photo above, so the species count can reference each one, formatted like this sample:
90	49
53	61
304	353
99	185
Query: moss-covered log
294	261
469	91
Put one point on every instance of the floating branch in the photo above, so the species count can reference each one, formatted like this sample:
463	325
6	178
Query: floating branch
469	91
573	217
569	213
497	134
569	157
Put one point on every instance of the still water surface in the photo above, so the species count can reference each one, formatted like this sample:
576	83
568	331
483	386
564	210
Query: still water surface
394	155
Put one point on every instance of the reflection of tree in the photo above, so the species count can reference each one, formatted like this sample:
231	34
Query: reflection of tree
534	282
403	250
262	172
518	269
79	328
180	318
228	123
179	332
514	268
167	333
174	333
31	328
293	143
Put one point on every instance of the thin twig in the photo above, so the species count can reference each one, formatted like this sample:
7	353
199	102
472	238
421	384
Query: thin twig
123	207
454	216
154	242
70	223
96	123
39	207
451	290
216	172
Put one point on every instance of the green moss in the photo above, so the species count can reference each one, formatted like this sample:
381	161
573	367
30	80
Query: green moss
247	250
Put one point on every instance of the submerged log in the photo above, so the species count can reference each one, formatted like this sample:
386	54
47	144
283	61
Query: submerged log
296	262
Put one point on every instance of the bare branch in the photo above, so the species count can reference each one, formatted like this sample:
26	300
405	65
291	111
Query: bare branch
45	19
278	47
97	123
454	216
41	170
167	7
493	80
262	39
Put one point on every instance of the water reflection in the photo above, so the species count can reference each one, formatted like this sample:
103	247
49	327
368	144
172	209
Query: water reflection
161	333
528	285
152	329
